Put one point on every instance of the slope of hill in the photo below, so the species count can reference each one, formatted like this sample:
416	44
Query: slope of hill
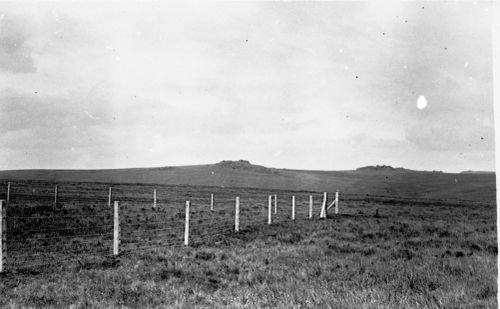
381	180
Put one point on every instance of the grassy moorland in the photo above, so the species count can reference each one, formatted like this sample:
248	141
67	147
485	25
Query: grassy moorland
412	255
381	180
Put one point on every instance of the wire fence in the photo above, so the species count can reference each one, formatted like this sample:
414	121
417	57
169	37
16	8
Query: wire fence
44	223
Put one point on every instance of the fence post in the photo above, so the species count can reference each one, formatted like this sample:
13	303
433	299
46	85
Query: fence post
116	230
310	206
3	236
293	207
8	192
211	202
154	198
55	197
109	197
269	207
323	206
275	204
336	202
237	215
186	226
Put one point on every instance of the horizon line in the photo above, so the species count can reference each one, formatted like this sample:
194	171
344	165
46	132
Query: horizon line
241	160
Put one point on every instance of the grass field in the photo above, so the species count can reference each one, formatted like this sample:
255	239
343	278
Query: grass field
414	254
370	180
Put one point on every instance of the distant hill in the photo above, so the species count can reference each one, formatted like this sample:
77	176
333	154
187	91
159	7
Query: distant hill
374	180
477	172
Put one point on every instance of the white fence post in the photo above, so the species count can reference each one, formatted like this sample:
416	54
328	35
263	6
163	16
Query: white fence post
186	226
310	206
323	206
154	198
3	236
336	203
293	207
109	197
55	197
211	202
116	230
237	215
8	191
275	204
269	209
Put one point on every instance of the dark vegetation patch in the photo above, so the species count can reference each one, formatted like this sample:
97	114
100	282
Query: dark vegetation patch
205	255
403	254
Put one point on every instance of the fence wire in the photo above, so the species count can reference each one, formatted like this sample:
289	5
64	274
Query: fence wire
75	222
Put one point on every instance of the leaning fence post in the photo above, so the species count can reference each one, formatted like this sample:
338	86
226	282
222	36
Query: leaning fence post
310	206
55	197
323	206
336	202
269	209
109	197
237	215
3	236
275	204
293	207
154	198
8	192
186	226
211	202
116	230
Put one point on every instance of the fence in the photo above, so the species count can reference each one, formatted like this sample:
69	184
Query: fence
43	223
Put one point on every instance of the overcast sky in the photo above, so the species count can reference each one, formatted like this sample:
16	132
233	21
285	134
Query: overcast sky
296	85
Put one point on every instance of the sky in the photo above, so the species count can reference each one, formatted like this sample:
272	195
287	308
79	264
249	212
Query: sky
303	85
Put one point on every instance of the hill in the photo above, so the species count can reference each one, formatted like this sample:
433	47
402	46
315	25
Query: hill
477	172
373	180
